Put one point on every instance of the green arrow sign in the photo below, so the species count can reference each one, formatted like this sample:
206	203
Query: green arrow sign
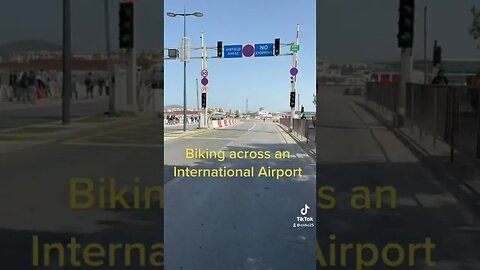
295	48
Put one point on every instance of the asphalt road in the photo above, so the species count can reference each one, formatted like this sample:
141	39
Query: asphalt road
238	223
34	193
353	150
45	114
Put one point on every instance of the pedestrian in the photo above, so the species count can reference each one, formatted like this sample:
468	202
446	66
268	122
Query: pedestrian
32	88
89	85
107	87
22	88
101	85
75	86
440	78
13	83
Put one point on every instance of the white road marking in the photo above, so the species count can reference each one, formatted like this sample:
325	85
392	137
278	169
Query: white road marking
436	200
254	125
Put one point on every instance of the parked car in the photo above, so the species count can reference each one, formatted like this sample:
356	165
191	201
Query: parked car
216	116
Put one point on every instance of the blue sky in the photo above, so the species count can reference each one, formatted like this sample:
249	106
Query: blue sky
264	81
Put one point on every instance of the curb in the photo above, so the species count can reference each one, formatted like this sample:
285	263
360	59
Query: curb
470	199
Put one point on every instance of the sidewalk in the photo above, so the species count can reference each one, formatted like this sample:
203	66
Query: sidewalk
462	175
356	149
307	145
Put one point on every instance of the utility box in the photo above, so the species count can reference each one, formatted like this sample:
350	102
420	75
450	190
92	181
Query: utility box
202	121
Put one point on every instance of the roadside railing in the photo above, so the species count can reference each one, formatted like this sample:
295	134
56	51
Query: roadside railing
383	96
302	128
447	113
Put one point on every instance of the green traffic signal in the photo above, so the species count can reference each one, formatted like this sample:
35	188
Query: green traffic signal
406	24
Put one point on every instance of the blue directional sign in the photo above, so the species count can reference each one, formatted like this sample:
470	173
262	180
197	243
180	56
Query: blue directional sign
262	50
232	51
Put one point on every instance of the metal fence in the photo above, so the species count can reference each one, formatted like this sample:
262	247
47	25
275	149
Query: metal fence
303	128
448	113
384	96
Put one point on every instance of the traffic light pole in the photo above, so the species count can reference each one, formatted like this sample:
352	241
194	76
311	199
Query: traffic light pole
131	80
111	94
405	77
198	105
204	66
294	79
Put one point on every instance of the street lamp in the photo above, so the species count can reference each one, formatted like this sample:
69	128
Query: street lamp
184	14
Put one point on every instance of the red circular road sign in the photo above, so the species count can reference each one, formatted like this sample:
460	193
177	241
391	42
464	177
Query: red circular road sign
204	73
248	50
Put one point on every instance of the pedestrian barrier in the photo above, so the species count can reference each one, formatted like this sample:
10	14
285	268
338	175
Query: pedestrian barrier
448	113
224	123
303	128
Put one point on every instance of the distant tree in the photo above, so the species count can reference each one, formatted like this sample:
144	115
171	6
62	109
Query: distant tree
474	29
334	66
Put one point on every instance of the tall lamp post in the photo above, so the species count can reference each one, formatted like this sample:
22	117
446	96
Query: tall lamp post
66	63
184	14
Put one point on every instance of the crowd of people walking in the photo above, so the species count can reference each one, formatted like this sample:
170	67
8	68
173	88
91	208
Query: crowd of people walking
31	86
175	119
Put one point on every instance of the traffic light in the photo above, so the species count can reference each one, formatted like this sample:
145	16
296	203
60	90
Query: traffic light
219	49
126	21
292	99
302	109
277	46
406	23
437	55
204	100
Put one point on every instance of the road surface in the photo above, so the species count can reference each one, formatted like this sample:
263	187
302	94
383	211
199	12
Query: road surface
34	193
354	150
44	114
238	223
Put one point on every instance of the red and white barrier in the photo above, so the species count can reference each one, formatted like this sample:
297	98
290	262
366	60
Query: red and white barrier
224	123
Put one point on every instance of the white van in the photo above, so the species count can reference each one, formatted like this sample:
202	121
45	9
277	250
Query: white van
217	116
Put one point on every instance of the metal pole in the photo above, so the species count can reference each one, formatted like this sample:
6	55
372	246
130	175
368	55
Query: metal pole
198	106
298	106
67	54
425	79
111	97
132	74
405	77
184	74
204	66
294	79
